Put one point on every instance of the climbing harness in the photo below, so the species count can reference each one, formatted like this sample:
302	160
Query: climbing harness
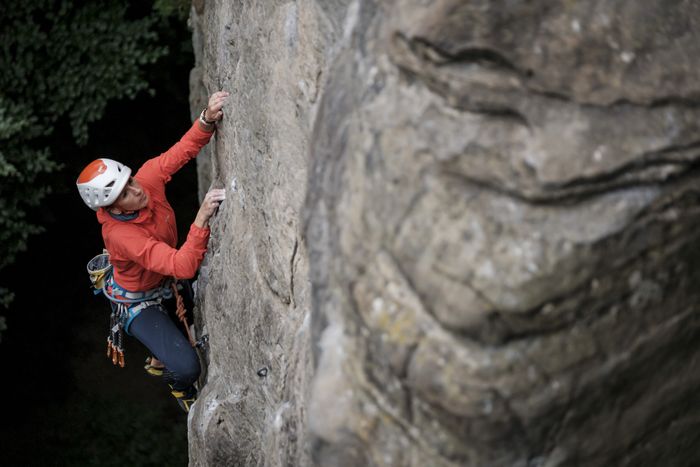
126	305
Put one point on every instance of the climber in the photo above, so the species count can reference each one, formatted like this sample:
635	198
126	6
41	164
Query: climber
140	236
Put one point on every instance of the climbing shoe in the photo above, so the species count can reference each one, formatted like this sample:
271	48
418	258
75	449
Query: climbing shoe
185	398
153	370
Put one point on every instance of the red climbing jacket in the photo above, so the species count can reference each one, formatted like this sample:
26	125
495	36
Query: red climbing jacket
142	250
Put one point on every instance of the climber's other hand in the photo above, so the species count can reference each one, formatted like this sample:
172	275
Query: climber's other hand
211	202
214	111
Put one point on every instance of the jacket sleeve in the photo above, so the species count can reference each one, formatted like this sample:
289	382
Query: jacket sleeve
153	255
162	168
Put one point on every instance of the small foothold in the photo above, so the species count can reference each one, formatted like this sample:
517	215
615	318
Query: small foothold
262	372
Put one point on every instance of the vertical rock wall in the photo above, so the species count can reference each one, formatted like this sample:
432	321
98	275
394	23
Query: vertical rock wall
479	217
253	287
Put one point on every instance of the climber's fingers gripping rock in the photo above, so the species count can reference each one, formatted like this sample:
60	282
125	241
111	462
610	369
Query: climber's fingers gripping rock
213	198
214	111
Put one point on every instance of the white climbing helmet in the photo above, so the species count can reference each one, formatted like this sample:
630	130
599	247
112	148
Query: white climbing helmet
101	182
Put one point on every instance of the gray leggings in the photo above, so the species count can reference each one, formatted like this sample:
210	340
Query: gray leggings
154	329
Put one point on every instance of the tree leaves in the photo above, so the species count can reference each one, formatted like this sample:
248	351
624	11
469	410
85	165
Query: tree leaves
62	60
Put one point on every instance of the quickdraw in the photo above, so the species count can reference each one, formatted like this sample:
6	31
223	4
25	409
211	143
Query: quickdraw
119	321
115	339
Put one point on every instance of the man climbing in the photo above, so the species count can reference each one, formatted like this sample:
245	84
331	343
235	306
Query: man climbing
140	236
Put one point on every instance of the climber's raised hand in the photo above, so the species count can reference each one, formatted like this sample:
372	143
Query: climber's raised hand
214	111
213	198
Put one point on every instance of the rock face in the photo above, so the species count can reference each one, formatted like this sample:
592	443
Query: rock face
456	233
253	289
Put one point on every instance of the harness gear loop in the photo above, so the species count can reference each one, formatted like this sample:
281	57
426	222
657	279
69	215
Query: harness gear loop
181	311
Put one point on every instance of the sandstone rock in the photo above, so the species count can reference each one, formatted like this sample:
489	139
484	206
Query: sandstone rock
456	233
253	288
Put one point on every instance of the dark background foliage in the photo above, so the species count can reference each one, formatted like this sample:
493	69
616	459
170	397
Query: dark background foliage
81	80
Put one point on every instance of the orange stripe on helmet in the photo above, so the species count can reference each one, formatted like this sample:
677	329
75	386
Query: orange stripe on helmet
94	169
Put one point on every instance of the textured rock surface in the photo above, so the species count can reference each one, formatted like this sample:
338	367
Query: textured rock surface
253	287
500	226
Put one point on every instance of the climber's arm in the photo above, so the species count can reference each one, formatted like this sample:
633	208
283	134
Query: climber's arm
199	134
136	245
160	257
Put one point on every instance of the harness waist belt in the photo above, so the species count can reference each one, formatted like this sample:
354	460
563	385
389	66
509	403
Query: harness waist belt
127	296
138	295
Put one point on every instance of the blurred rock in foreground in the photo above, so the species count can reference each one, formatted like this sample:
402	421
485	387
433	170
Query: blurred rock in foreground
456	233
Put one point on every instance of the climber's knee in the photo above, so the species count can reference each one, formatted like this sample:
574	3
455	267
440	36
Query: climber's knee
183	373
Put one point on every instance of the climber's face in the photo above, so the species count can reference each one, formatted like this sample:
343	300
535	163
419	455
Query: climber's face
132	198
